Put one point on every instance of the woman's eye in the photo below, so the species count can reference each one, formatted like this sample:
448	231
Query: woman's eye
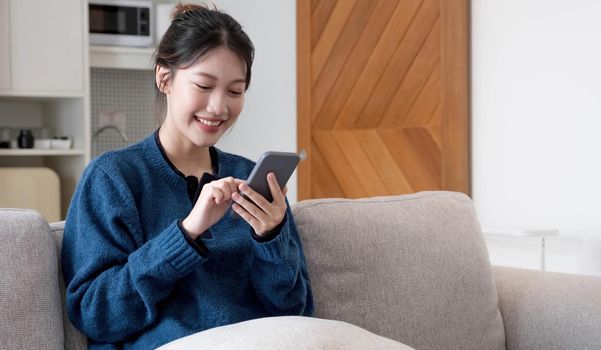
236	92
203	87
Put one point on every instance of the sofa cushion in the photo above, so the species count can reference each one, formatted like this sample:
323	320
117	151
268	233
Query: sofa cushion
413	268
30	316
286	332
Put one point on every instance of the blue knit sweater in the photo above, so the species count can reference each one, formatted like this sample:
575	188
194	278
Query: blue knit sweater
133	279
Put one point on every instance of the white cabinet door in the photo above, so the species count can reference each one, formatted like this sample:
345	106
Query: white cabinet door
47	45
4	46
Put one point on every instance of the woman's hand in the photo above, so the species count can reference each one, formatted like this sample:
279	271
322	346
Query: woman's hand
262	215
213	202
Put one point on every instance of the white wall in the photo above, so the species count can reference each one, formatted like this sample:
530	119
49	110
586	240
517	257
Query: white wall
268	120
536	122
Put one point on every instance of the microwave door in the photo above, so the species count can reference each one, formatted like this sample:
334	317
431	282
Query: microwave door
119	20
119	25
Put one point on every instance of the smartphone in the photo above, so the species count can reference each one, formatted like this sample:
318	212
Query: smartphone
282	164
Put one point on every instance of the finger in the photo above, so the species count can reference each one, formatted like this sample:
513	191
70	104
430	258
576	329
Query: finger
217	194
225	190
251	220
267	219
285	191
258	226
228	185
238	182
274	187
250	207
231	183
258	199
255	216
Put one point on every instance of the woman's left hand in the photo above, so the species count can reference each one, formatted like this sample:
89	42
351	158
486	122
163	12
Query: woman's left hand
261	214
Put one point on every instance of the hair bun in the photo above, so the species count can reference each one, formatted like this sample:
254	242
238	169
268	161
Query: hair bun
183	8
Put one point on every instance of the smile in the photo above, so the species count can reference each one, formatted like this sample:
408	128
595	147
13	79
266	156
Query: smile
214	123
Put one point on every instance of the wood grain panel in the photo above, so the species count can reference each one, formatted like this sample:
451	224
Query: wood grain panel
379	59
426	149
343	172
338	94
382	97
408	160
426	103
436	120
455	71
384	164
422	68
339	55
303	91
332	30
360	163
422	27
321	11
316	191
435	125
323	174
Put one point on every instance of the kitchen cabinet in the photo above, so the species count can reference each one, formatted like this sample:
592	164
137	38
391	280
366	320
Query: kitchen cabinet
118	57
47	46
44	84
4	44
138	58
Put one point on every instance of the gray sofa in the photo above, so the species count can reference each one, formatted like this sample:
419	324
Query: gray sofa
410	268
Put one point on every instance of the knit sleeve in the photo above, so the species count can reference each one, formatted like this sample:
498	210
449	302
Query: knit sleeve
114	279
279	273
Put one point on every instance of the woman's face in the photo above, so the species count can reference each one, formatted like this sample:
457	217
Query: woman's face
205	99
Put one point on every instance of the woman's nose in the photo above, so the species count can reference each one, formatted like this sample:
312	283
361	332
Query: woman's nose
217	104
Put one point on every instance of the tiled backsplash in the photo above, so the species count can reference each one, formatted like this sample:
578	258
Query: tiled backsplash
125	91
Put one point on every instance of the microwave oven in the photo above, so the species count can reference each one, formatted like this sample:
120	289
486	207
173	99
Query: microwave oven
121	22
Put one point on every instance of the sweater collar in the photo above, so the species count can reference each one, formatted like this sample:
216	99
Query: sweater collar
162	165
212	154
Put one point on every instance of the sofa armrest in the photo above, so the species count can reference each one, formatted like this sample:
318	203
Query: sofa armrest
544	310
74	340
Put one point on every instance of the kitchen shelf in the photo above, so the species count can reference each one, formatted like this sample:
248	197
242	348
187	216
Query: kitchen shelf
39	95
121	57
41	152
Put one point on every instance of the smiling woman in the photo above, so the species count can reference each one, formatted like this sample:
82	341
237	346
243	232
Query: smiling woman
148	254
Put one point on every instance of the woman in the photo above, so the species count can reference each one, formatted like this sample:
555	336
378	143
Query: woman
149	253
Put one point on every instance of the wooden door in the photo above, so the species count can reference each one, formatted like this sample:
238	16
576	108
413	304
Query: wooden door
382	97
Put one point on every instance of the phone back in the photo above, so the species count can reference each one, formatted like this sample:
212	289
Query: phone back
282	164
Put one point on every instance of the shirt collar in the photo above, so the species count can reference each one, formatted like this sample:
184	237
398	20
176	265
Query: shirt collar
212	154
194	186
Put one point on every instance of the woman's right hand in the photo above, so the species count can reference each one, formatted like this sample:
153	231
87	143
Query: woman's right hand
214	200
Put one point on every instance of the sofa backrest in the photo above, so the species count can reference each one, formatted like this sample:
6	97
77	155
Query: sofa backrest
413	268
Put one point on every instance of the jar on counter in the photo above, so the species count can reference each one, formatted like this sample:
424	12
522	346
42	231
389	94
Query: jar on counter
25	139
5	137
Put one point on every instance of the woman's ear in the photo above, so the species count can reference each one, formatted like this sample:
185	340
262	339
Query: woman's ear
162	78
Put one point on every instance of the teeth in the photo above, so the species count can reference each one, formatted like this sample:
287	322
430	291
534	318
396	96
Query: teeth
208	122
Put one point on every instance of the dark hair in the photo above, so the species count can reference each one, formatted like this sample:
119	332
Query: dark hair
195	31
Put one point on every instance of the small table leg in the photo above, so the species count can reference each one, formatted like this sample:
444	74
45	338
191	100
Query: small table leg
542	253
